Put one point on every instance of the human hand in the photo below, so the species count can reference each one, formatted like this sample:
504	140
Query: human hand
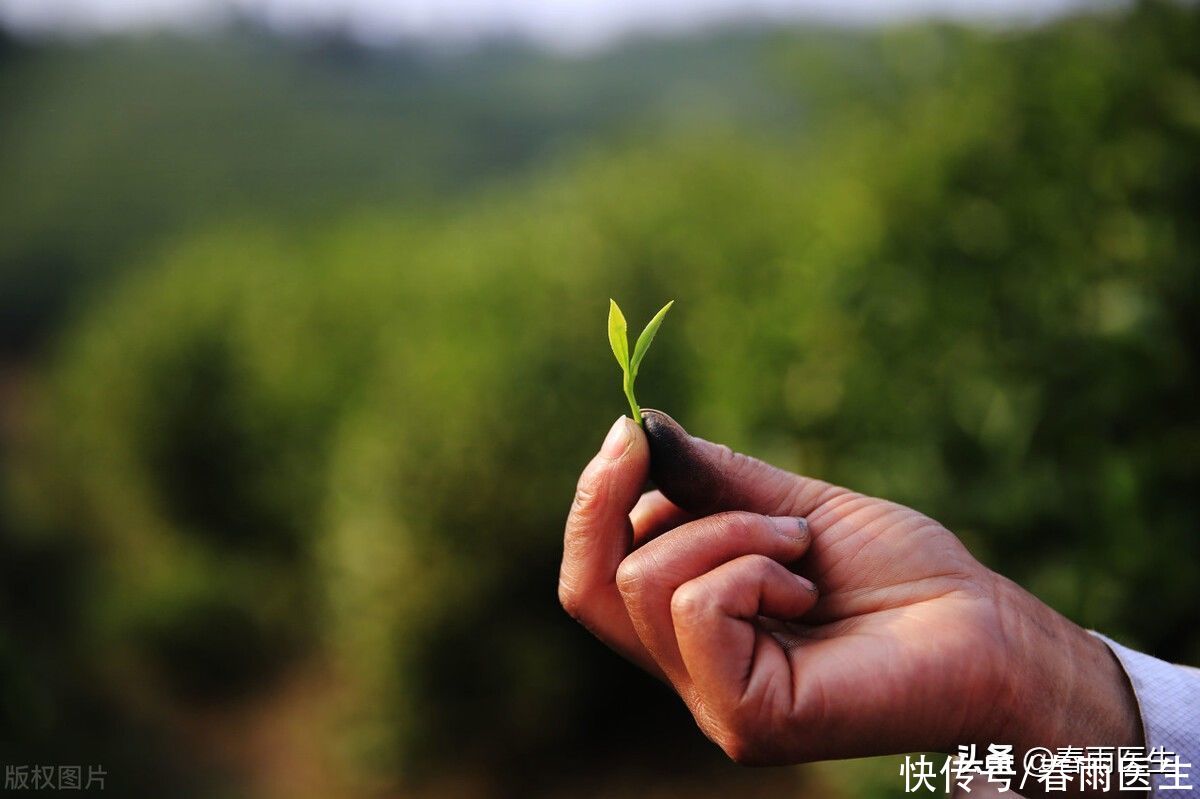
904	643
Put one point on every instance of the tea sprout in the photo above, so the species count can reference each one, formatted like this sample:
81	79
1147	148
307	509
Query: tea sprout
618	337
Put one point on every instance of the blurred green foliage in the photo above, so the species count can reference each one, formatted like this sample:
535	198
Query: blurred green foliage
964	277
116	146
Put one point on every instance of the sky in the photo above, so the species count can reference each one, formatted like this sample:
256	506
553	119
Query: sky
566	24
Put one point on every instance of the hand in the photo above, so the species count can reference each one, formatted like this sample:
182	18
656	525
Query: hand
883	636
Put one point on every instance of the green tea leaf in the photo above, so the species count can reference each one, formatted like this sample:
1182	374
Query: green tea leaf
618	339
618	336
647	336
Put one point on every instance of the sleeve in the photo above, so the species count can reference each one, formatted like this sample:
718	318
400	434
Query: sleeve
1168	698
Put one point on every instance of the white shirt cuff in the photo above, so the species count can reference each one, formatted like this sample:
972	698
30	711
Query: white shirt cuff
1168	698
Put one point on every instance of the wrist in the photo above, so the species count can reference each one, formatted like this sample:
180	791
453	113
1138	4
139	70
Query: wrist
1059	685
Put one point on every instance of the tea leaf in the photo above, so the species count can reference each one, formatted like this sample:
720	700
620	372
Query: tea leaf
617	336
647	336
618	339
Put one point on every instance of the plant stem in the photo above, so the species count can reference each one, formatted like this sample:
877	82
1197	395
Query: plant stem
633	406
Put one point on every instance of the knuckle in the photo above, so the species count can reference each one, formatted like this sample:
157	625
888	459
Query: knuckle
738	744
725	457
632	575
740	734
750	734
738	464
743	743
737	524
588	494
570	600
760	568
737	749
745	753
691	602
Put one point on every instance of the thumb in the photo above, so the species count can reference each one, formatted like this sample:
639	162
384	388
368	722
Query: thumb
702	477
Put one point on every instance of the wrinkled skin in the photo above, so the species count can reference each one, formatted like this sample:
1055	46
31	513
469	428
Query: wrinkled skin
802	621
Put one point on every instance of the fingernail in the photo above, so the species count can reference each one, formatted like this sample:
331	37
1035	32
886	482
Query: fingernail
808	584
617	440
795	527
